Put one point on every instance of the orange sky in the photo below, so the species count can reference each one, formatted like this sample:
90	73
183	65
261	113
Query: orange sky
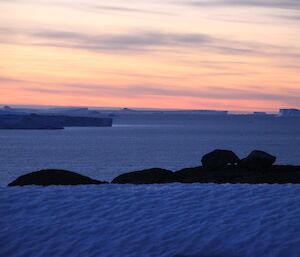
238	55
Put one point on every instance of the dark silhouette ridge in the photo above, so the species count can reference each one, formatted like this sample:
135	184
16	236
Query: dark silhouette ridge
256	168
277	174
53	177
221	166
149	176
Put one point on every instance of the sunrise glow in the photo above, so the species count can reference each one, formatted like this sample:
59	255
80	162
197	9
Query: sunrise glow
232	55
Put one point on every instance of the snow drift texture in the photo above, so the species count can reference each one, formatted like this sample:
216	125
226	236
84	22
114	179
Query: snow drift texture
161	220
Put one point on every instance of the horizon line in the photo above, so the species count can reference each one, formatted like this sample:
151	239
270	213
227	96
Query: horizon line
137	108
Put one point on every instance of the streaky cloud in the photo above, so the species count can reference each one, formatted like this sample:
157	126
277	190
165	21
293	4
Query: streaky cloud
116	8
135	40
6	80
291	17
120	9
143	41
287	4
139	42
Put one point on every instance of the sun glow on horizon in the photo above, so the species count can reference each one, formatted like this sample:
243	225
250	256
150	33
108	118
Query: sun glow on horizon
167	54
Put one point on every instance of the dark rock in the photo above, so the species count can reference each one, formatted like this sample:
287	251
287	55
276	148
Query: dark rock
226	174
257	160
189	175
53	177
149	176
219	159
279	174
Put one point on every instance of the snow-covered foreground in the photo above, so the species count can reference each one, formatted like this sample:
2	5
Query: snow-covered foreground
155	220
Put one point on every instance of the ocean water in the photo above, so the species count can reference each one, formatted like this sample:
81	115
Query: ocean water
145	141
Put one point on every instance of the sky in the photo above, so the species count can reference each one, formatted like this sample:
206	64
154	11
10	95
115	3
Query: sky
237	55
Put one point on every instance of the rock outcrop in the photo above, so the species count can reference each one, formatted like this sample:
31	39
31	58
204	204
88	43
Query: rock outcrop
219	159
257	160
276	174
53	177
149	176
219	166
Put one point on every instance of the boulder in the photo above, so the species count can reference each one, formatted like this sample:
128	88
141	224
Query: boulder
53	177
257	160
148	176
219	159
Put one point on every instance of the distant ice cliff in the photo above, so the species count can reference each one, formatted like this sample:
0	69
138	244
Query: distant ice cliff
289	113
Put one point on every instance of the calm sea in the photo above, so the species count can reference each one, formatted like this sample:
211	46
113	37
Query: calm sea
145	141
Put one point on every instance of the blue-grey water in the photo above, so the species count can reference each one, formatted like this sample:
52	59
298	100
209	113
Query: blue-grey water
144	141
